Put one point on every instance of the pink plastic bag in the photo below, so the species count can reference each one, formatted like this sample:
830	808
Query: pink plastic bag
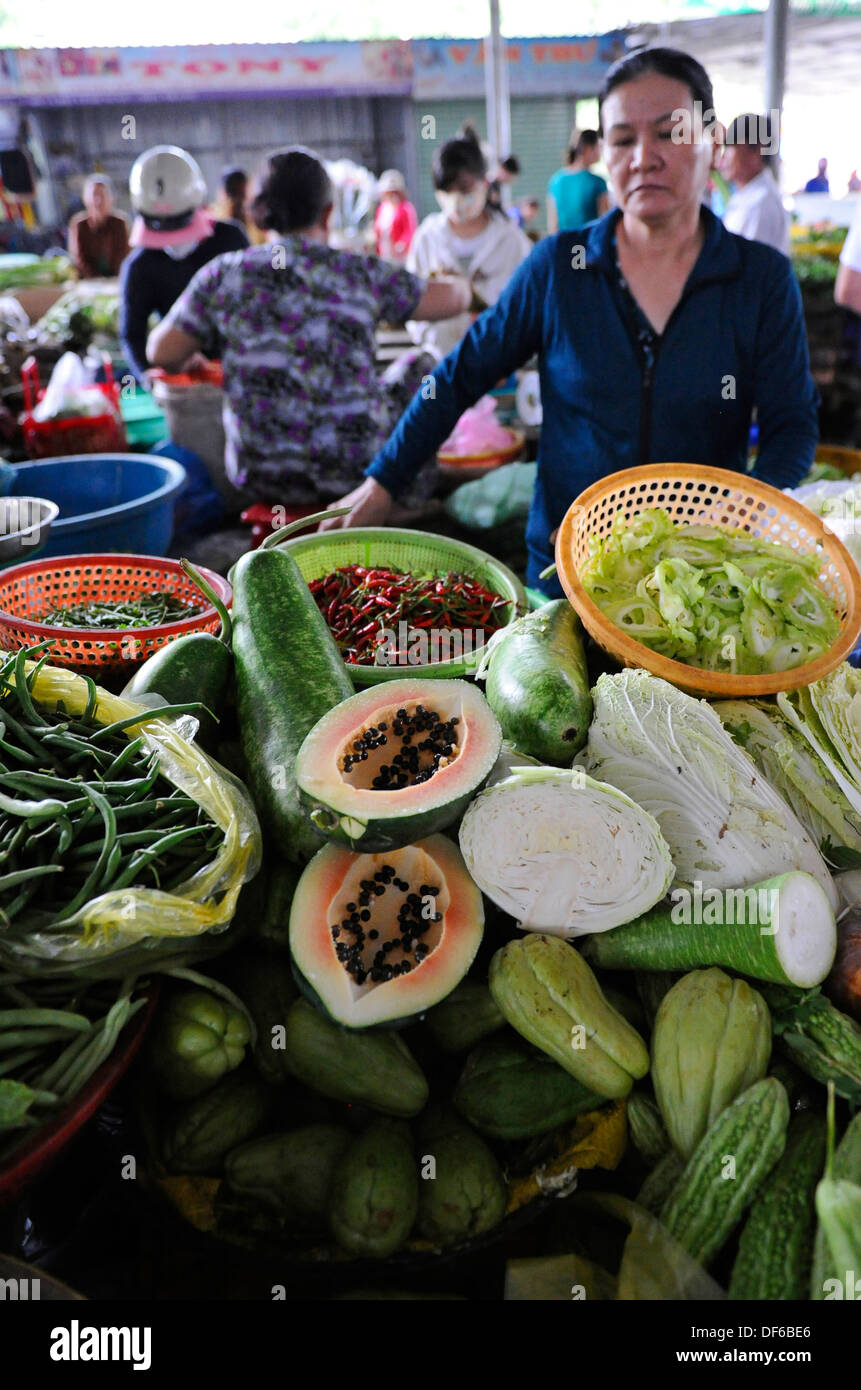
477	431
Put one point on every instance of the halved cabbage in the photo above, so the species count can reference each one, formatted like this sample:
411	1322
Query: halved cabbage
564	854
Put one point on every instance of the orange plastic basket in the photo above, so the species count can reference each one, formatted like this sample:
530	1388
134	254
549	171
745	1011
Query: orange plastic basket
696	493
31	589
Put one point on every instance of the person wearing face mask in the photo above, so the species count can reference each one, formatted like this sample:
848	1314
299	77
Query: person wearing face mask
464	238
658	332
172	239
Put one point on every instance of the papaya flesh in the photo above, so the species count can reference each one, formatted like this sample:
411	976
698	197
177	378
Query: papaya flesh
380	938
397	762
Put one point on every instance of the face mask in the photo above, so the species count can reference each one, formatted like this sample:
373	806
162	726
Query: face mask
185	248
462	207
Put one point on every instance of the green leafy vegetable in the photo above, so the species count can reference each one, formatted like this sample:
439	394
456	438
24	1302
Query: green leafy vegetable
827	715
725	824
790	763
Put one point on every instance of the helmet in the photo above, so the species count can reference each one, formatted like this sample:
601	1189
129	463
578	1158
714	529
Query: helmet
167	192
166	187
391	181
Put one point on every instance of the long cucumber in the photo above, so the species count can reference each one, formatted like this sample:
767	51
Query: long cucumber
289	673
781	930
538	684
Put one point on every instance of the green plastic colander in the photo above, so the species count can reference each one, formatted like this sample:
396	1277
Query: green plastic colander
415	551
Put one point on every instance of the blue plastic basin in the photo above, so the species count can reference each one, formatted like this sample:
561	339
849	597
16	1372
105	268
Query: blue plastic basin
108	503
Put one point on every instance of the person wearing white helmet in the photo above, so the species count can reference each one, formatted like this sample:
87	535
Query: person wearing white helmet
172	237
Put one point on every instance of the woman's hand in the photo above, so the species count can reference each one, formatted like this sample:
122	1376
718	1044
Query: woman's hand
369	505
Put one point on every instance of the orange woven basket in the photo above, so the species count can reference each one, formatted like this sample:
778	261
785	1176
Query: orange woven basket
31	589
692	492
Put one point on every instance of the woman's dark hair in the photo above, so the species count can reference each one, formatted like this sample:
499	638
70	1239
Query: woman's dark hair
666	62
586	140
462	155
233	181
293	193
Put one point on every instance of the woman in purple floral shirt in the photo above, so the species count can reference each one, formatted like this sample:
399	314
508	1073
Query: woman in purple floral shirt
293	323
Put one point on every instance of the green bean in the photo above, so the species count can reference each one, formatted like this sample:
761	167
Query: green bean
34	1018
11	910
22	690
146	857
101	1047
145	808
125	841
92	699
54	1075
67	835
20	754
28	1036
188	871
115	858
132	748
48	781
43	1097
16	838
164	712
23	875
15	807
96	875
19	1060
27	738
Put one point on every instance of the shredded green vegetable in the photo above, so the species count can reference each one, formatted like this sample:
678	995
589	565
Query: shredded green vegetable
717	599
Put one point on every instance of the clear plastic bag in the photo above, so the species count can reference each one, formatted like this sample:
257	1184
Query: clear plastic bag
504	494
72	392
115	921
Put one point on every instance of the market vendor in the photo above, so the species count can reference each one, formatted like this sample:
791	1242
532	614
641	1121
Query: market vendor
658	332
294	322
98	240
173	238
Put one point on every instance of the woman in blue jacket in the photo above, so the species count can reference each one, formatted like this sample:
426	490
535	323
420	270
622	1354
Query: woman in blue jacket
658	332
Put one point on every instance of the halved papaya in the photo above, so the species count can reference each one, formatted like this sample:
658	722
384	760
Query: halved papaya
397	762
382	937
